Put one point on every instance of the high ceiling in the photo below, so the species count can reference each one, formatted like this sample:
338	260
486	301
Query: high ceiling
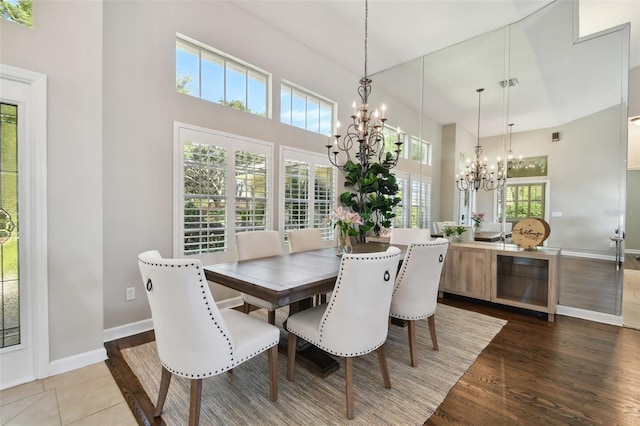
400	31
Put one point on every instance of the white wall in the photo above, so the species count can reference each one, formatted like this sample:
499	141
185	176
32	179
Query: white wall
66	45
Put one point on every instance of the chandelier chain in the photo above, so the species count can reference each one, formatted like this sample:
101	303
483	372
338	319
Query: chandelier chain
366	35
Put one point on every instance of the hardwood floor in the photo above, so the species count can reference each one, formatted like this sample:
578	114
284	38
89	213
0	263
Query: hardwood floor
534	372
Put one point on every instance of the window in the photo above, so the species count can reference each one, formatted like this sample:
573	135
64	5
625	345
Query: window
309	191
9	272
390	138
420	202
18	11
414	209
420	150
401	220
206	73
222	187
306	110
523	200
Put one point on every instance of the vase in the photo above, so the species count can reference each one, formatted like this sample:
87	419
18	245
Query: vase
458	238
344	244
476	227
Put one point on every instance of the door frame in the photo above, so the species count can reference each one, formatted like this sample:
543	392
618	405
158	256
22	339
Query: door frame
33	219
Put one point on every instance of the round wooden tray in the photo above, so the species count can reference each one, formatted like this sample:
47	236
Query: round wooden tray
530	232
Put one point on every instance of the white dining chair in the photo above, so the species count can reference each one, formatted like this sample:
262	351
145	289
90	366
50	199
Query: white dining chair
404	236
254	245
415	295
194	338
355	321
305	239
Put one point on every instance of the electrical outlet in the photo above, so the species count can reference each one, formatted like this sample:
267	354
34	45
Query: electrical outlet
131	293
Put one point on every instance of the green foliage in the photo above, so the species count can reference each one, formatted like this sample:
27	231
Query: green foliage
460	229
182	84
18	11
448	231
373	196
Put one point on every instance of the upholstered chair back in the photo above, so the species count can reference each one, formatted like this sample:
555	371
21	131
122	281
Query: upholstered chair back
415	294
404	236
305	239
186	319
257	244
356	319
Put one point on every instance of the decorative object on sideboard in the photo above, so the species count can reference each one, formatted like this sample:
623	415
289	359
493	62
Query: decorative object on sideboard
530	232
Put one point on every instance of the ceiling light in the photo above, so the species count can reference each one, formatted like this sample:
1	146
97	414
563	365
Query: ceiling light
366	130
478	175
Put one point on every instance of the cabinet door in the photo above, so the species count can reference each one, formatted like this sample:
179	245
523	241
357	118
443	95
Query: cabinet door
466	272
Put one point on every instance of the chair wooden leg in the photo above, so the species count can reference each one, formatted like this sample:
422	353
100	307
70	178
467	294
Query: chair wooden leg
194	403
412	343
432	330
272	355
162	393
382	360
348	378
271	317
291	355
246	308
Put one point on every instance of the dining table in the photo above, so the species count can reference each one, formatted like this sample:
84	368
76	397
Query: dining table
290	279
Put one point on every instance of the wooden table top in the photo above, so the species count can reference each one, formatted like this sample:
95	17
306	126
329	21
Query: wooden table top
287	278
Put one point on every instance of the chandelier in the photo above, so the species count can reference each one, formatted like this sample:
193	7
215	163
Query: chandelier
512	161
477	174
365	130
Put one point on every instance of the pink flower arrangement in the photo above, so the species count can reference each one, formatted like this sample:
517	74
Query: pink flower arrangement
345	219
477	218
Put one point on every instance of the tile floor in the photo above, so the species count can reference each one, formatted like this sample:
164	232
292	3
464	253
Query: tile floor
87	396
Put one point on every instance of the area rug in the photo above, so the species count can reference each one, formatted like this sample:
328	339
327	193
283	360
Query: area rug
242	397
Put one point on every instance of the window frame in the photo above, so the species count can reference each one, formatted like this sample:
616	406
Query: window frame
314	159
227	61
307	94
187	132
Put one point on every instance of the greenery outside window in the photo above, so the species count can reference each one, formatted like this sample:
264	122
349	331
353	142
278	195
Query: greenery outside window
522	201
18	11
206	73
306	110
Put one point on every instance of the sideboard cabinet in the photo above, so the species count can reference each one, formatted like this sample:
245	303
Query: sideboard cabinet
503	273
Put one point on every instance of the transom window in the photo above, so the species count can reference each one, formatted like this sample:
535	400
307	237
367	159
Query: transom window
209	74
306	110
420	150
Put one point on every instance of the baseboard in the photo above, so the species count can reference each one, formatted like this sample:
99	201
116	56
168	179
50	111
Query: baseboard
127	330
589	315
612	258
74	362
632	251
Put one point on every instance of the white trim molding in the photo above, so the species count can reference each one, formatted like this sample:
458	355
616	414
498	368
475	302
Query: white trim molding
34	211
589	315
74	362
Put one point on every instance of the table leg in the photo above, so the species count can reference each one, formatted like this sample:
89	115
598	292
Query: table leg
311	357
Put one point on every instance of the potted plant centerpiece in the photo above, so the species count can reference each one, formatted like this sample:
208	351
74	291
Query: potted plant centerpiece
459	231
